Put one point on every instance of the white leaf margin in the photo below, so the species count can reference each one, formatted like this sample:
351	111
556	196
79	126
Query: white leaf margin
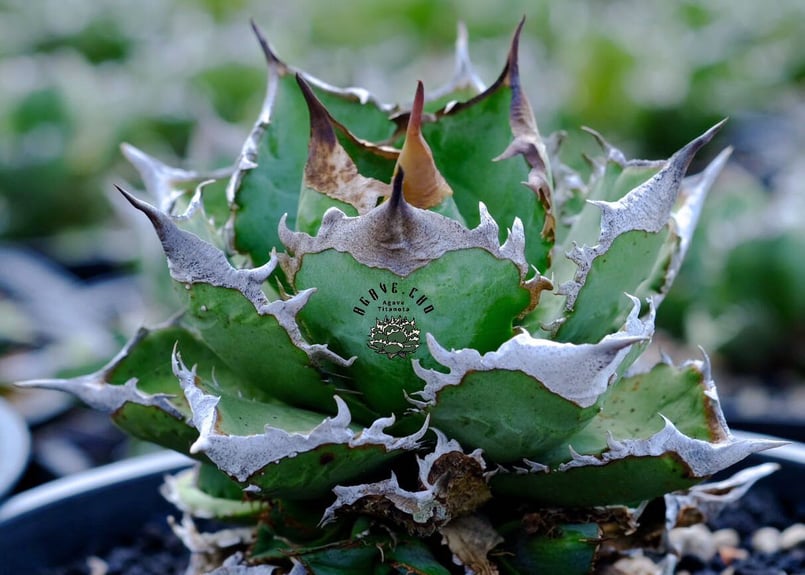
242	456
577	372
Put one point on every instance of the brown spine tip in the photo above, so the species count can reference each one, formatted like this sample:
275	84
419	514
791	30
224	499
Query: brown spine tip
514	57
269	54
425	187
153	214
397	199
415	119
321	127
131	199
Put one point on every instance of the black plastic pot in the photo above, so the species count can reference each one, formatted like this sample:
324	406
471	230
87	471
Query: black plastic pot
69	519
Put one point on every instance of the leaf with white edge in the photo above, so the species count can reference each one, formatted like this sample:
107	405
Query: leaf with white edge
467	138
544	390
686	216
611	178
331	176
303	456
138	389
268	174
166	184
656	432
401	263
230	311
704	502
451	482
632	255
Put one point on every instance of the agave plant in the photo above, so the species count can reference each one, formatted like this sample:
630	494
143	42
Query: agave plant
424	358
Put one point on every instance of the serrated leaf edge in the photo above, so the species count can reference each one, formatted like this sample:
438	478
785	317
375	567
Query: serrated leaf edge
577	372
648	207
424	506
192	260
95	390
243	456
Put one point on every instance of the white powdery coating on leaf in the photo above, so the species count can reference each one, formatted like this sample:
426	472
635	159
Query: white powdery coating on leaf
702	458
161	180
694	192
212	542
646	208
710	498
248	154
192	260
402	238
577	372
243	456
96	392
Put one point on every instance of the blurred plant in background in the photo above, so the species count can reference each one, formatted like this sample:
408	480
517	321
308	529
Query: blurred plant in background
742	290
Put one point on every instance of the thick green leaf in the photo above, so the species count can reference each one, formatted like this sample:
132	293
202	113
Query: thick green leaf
624	482
633	260
261	194
631	408
612	178
148	360
468	137
527	396
205	492
239	335
495	411
285	451
313	474
569	549
412	557
657	432
359	303
229	309
636	252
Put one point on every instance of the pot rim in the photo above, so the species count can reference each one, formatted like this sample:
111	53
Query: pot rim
163	461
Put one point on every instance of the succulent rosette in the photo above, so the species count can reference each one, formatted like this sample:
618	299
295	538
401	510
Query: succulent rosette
422	319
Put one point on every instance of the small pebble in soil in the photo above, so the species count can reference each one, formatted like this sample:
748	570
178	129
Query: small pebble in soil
766	540
793	536
696	540
634	565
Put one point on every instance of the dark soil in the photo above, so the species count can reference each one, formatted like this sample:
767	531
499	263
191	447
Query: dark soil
760	507
155	551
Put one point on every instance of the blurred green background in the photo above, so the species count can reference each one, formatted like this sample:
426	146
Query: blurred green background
184	80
